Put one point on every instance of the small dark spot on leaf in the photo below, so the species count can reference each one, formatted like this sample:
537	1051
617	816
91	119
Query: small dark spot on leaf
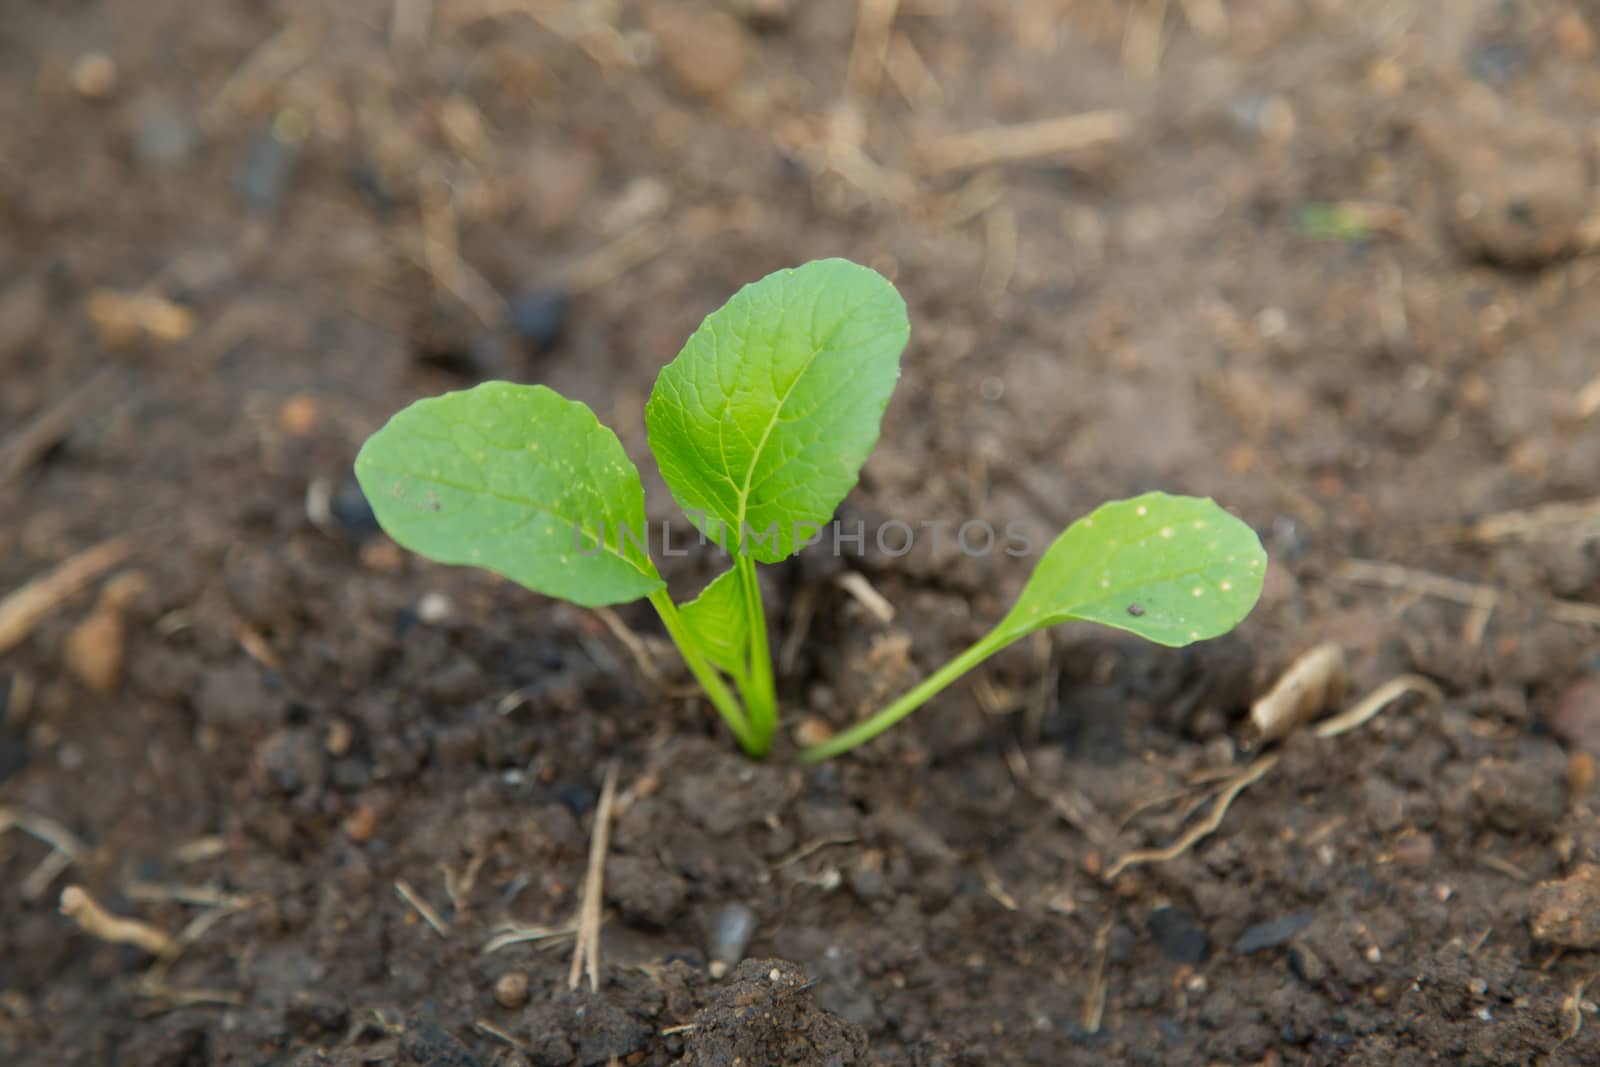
1135	610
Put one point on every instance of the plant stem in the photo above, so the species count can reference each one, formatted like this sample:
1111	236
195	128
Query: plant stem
913	699
725	702
761	695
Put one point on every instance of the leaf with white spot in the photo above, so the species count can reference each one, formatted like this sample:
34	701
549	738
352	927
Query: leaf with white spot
1172	569
762	423
519	480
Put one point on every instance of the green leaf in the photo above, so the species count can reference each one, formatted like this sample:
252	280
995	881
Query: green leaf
766	416
519	480
1172	569
720	620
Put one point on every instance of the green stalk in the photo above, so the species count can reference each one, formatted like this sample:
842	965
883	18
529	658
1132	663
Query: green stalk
725	702
913	699
761	694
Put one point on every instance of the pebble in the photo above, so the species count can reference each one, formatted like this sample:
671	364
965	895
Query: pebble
265	169
731	931
95	651
705	49
511	989
1519	186
1577	718
1272	933
94	76
1526	794
1179	935
539	319
348	507
1567	912
163	137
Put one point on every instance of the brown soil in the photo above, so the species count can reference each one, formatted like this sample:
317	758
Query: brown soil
345	204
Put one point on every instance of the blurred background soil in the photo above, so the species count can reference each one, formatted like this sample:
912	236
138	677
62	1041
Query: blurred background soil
1332	263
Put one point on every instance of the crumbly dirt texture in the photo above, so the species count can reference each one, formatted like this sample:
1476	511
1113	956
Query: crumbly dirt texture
1331	263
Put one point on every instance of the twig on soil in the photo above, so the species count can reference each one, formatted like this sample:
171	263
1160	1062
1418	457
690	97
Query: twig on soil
812	847
612	260
1369	706
65	848
1142	42
1074	808
200	849
23	609
1094	1004
485	1027
186	998
204	896
995	887
516	934
1481	598
804	610
1572	1008
630	640
1505	867
869	48
458	886
441	256
272	62
50	427
1208	826
911	74
422	908
1025	141
1583	516
92	919
862	591
586	953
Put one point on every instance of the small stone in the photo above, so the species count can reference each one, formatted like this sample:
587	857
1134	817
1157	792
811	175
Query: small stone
1567	912
1272	933
435	608
1179	935
361	824
1580	774
1573	36
731	931
511	989
1307	965
310	1013
812	730
705	49
1414	849
163	136
94	76
539	319
299	415
1577	718
266	167
95	652
1526	794
349	508
293	762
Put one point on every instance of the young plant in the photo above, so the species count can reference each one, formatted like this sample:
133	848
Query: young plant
760	427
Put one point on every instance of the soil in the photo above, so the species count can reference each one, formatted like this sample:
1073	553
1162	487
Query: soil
1333	266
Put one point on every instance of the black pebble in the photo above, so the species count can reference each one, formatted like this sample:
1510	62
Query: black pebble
540	318
1180	938
1273	932
350	508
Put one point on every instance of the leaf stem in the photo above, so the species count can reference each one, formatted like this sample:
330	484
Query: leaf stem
913	699
725	702
761	695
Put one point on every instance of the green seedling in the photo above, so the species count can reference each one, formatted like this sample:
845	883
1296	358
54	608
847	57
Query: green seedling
760	427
